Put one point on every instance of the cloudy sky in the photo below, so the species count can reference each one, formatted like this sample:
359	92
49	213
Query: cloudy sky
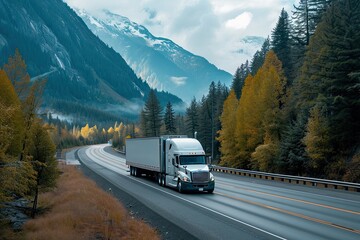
209	28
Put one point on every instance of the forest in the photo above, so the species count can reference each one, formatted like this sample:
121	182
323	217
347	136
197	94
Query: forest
293	109
298	113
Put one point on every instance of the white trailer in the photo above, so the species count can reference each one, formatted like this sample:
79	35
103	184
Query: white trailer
175	161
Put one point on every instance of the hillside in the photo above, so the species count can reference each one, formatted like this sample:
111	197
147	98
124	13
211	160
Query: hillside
84	74
161	62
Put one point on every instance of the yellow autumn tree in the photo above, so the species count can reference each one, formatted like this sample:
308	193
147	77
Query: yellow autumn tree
227	133
271	96
11	117
85	131
244	127
16	71
15	177
317	139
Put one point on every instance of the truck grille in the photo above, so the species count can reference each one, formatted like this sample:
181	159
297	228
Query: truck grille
199	177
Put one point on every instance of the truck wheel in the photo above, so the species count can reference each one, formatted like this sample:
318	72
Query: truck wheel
135	172
211	191
159	179
163	180
138	172
131	171
179	186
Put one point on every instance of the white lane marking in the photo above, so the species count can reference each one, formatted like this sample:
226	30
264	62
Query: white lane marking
202	206
291	190
90	152
209	209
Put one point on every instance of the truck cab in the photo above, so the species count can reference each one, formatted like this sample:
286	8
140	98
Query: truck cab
186	166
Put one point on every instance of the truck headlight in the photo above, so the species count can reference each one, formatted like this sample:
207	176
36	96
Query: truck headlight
212	177
183	177
186	179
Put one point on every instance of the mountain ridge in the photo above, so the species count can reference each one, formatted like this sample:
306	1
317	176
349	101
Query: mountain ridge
158	60
80	68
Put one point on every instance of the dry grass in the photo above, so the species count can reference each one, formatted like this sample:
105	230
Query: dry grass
80	210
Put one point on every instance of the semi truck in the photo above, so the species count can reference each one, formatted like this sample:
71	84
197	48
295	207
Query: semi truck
175	161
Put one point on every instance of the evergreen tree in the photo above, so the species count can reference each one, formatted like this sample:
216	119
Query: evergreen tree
281	45
239	78
44	163
169	119
151	116
180	124
259	57
330	64
293	158
306	17
192	121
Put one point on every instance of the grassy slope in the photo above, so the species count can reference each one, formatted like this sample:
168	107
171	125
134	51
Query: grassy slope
80	210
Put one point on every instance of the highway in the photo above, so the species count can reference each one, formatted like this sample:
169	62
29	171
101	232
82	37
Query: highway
240	207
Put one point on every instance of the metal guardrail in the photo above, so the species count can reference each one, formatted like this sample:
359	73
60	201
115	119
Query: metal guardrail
315	182
117	150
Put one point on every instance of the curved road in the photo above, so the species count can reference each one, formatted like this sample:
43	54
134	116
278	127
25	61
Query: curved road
240	207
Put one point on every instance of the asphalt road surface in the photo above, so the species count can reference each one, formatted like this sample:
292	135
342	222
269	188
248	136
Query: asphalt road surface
239	208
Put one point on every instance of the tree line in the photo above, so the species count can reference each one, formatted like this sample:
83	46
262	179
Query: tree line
27	152
298	112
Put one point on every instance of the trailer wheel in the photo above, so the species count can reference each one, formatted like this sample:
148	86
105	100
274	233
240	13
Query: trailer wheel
131	171
159	179
163	180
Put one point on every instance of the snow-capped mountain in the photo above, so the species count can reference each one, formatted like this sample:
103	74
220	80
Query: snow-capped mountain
159	61
86	78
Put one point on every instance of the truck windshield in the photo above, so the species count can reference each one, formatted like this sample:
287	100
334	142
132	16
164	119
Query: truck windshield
188	160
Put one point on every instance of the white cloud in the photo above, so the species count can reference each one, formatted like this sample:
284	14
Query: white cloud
240	22
179	81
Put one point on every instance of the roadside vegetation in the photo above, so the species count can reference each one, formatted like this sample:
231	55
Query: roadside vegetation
78	209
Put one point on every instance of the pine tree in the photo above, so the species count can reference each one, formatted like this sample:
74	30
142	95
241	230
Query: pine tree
329	66
306	17
169	119
151	116
259	57
281	43
239	78
44	163
293	158
192	121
